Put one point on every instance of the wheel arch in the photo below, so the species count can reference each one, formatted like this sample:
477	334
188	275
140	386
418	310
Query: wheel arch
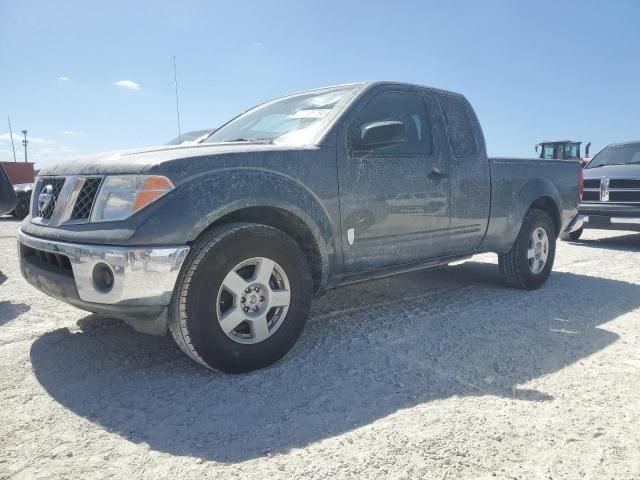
507	215
255	195
549	205
303	232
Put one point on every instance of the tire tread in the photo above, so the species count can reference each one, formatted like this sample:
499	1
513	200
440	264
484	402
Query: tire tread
508	262
178	312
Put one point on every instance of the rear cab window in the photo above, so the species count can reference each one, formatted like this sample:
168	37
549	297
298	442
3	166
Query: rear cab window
459	124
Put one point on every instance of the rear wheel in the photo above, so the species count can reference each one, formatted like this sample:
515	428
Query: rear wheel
572	236
242	298
529	262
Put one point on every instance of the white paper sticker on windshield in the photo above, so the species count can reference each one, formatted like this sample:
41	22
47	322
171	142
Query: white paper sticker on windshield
311	113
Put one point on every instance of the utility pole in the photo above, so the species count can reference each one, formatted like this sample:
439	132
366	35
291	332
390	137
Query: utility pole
175	80
25	142
11	135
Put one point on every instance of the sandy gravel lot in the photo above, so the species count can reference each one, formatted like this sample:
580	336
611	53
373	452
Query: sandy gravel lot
444	374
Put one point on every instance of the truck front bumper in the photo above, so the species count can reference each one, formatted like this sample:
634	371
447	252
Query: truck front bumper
131	283
611	216
604	222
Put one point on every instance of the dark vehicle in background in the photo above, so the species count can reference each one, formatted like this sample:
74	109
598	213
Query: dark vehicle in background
611	199
7	194
563	150
195	136
226	241
23	195
21	176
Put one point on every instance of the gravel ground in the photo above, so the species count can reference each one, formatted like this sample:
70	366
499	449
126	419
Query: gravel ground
439	374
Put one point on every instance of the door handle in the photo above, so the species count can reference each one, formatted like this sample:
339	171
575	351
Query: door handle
436	175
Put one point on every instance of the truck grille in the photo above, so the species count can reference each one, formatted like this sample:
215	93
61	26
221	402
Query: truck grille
615	190
624	183
55	260
59	200
56	184
84	202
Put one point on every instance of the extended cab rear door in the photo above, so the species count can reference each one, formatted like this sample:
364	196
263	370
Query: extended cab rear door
394	200
470	174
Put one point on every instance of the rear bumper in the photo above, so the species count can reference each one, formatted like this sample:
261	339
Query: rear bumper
143	277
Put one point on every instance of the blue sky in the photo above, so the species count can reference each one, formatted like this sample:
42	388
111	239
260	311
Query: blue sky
533	70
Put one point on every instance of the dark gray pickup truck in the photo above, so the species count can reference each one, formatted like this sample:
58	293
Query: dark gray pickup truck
225	242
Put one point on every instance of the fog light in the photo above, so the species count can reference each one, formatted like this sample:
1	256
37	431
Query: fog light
102	277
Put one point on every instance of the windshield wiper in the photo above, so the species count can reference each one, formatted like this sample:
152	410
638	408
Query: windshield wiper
612	164
252	140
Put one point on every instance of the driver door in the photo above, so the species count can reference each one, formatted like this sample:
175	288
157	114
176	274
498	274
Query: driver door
394	199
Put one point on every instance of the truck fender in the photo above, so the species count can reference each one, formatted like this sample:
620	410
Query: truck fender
202	201
536	193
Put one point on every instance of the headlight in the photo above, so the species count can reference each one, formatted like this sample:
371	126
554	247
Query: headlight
120	196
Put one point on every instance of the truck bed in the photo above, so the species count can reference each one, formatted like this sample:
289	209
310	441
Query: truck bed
516	183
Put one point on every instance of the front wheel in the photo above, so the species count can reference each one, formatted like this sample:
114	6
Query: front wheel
242	298
529	262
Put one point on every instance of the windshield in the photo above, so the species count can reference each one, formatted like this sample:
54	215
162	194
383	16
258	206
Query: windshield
294	120
617	155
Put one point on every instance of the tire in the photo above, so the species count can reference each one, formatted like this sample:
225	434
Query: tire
22	207
518	269
573	236
201	298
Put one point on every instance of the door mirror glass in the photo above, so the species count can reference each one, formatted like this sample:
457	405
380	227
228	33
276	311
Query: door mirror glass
382	134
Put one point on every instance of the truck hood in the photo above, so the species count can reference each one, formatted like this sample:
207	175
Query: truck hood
142	159
613	171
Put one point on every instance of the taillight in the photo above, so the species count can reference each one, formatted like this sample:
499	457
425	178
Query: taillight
580	183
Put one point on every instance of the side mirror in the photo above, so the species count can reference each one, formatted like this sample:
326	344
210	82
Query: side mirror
381	134
537	145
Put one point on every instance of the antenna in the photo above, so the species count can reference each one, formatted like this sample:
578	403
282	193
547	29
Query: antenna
175	80
11	135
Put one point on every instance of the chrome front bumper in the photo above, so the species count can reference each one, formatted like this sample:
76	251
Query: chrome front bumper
141	275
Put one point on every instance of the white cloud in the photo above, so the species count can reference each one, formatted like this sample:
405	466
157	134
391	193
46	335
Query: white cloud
48	155
63	78
257	45
17	137
128	84
69	132
55	153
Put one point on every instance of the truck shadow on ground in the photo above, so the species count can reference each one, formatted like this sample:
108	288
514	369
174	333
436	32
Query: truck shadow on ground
368	351
624	243
8	310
